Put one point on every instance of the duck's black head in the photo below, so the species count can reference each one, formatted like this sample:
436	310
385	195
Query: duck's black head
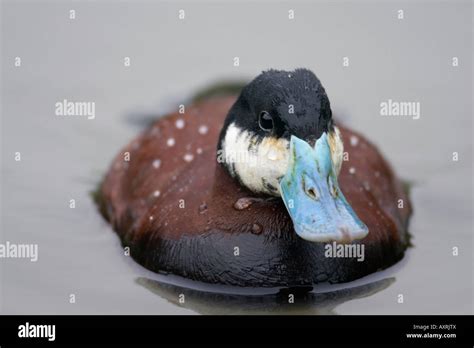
280	104
279	139
270	109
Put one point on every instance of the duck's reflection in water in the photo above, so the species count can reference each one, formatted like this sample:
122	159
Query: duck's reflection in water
306	302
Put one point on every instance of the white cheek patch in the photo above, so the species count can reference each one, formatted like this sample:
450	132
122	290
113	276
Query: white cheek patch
259	165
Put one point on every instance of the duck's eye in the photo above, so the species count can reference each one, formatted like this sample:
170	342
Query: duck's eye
265	121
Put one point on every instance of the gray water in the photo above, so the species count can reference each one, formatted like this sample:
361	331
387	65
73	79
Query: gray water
64	158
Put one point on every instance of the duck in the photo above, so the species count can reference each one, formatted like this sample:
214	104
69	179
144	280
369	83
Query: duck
259	189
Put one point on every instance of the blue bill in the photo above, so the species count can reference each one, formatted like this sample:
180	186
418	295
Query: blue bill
310	191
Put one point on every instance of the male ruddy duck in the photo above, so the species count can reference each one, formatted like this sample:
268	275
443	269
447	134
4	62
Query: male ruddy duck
262	209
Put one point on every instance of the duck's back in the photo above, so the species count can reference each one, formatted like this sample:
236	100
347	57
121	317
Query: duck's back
181	213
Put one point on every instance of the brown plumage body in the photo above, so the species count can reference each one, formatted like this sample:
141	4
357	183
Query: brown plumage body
175	207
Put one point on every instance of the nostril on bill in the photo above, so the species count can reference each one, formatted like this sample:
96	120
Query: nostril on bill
332	188
312	193
308	188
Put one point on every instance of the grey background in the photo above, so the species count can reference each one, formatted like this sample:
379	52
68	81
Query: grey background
82	60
